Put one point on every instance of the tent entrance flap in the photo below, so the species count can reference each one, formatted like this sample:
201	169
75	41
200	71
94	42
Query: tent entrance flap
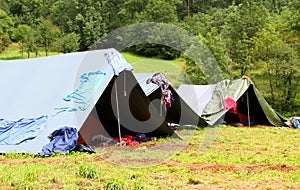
137	114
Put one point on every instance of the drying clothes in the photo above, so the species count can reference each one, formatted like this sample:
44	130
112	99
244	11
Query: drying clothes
117	62
16	132
142	138
160	80
64	109
230	104
295	122
128	139
89	84
62	140
168	98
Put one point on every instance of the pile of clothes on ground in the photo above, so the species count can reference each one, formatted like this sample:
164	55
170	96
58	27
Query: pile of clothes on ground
130	140
294	122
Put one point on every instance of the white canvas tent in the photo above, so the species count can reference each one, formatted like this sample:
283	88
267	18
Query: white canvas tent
33	88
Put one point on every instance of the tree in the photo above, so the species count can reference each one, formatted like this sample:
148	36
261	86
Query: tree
84	17
241	24
29	44
274	49
20	35
69	43
48	33
158	11
25	11
5	26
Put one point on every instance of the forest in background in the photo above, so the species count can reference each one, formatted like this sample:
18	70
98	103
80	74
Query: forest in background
258	38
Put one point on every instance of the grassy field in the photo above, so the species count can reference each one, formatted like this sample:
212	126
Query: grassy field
239	158
172	69
13	52
212	158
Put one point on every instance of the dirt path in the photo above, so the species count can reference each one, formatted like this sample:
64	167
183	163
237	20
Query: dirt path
253	168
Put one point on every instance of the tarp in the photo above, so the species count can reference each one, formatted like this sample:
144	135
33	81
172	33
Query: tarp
47	85
179	112
211	102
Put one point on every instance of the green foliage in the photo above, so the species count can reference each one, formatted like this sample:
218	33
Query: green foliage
138	186
18	155
158	11
275	49
82	17
234	31
241	24
47	34
5	27
113	184
87	171
68	43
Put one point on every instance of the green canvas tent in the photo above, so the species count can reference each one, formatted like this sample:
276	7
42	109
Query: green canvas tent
209	102
179	112
84	90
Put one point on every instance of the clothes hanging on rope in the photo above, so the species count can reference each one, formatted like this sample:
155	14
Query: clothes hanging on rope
160	80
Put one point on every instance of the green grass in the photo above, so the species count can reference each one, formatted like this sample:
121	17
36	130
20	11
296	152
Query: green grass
239	158
171	68
13	53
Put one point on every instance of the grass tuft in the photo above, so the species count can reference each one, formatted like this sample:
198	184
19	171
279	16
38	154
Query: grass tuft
87	171
113	184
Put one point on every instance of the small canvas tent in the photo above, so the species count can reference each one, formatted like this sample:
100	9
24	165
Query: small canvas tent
179	112
210	102
82	90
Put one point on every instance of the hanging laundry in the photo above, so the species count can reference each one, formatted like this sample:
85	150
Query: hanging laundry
25	129
230	104
62	140
89	84
117	62
160	80
168	98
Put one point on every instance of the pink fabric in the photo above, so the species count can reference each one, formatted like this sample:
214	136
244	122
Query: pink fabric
230	104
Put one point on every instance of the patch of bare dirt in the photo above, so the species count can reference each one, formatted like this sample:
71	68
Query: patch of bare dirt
254	168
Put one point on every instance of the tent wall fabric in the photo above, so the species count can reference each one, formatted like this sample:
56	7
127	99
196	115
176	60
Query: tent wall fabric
40	87
196	96
179	112
251	106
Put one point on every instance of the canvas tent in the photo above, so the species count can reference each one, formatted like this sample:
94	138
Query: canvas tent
179	112
209	102
84	90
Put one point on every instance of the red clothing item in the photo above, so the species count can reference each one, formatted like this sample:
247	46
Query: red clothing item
230	104
128	140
